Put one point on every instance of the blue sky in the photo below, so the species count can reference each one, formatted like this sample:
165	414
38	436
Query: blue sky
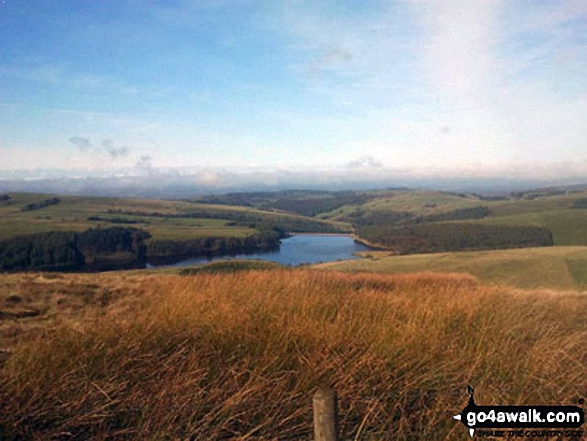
412	87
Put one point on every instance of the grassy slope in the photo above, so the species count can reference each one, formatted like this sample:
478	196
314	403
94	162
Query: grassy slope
558	268
568	226
416	202
238	355
72	213
420	202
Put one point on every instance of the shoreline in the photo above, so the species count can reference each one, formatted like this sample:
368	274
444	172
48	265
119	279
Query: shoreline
163	261
210	258
320	234
368	244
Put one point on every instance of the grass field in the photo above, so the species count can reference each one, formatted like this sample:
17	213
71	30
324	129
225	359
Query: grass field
238	355
568	226
524	206
72	213
550	209
560	268
415	202
422	202
426	202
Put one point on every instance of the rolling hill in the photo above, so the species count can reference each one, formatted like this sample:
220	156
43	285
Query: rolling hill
560	268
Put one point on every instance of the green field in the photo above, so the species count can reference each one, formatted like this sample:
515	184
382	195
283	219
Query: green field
421	202
412	201
427	202
568	226
548	208
555	267
560	268
72	213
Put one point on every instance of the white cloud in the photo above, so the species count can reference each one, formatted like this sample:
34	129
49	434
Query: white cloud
458	52
366	162
505	104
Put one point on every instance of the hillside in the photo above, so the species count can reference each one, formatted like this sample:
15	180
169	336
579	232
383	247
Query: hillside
559	268
163	219
568	226
414	221
223	356
48	232
403	221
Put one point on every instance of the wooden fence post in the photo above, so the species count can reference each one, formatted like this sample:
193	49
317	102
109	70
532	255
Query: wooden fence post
325	415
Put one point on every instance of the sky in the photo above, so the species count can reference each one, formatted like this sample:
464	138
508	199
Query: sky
210	88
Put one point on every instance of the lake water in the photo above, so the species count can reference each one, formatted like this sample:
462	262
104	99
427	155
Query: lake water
298	249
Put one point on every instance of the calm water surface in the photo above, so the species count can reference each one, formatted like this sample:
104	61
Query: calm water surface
299	249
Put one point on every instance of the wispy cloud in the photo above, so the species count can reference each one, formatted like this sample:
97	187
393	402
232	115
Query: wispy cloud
144	164
365	55
146	180
39	71
108	146
84	144
114	151
330	59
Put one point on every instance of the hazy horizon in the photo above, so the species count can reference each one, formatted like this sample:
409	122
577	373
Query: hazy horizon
185	183
216	95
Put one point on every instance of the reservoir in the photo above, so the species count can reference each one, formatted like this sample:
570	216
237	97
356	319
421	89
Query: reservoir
297	250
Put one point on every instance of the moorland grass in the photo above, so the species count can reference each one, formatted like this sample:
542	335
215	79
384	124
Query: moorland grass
238	356
229	266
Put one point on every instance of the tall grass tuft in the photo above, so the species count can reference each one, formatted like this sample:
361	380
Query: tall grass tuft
237	356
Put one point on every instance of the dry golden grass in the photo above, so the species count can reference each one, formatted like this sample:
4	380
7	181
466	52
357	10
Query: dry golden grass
237	356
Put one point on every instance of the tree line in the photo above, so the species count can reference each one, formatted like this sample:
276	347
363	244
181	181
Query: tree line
113	220
119	247
478	212
107	248
159	251
42	204
443	237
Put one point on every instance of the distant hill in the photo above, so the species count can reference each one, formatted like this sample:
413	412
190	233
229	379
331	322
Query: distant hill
402	220
37	232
